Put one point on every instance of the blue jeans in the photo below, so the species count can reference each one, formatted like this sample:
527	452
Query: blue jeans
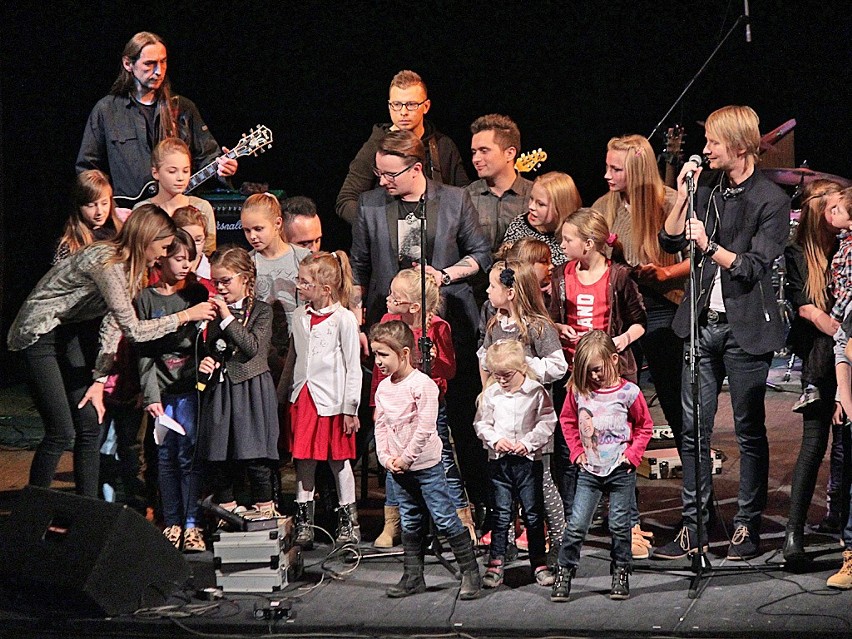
514	477
448	461
422	490
621	486
179	478
720	355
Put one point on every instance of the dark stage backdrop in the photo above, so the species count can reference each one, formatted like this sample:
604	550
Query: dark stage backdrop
571	74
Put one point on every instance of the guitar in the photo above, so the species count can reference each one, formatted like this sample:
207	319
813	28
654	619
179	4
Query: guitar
673	155
257	141
530	161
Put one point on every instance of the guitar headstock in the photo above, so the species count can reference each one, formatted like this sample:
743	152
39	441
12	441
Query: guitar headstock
256	141
530	161
674	144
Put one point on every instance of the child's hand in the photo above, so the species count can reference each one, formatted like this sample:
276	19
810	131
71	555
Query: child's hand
504	446
396	465
351	424
208	365
567	334
623	461
155	409
220	307
521	450
581	460
621	341
839	416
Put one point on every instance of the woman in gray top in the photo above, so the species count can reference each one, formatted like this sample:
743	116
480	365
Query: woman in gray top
99	280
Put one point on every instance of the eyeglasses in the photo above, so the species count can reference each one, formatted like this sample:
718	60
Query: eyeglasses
504	376
395	301
225	281
390	176
304	283
411	106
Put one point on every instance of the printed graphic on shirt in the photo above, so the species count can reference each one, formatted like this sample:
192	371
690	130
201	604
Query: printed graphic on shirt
604	429
409	242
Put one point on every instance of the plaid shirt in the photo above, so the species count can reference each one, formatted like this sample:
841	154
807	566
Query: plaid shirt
841	277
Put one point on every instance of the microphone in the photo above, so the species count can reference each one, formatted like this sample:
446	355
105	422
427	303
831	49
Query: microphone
201	326
695	159
219	347
748	20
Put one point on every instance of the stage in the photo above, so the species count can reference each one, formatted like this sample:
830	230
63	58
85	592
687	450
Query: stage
762	603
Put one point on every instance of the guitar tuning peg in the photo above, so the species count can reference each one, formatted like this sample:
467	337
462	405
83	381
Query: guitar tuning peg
244	135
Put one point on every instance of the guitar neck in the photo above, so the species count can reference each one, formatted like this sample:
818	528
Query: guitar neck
201	176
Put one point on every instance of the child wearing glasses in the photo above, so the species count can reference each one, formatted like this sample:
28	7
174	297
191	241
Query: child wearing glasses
515	421
326	391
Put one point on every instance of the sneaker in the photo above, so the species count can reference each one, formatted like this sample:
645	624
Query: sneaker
193	540
561	591
744	545
543	576
640	547
493	574
647	534
485	540
842	578
679	547
266	510
807	398
173	534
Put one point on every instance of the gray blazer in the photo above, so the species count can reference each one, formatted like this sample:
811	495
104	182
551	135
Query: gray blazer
248	346
451	219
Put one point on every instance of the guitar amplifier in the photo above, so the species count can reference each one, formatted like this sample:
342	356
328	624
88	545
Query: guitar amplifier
226	208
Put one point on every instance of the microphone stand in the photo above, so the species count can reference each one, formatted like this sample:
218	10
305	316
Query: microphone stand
695	77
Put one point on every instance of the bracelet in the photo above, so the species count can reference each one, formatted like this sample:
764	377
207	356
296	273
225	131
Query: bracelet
180	321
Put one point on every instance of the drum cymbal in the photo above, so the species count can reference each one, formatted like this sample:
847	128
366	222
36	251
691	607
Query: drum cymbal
803	175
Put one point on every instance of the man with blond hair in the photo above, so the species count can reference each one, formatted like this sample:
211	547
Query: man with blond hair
408	104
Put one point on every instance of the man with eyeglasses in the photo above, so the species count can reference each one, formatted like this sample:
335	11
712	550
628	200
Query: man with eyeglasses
408	104
386	239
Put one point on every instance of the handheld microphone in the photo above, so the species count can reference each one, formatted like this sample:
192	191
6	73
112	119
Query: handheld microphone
201	326
219	347
695	159
748	21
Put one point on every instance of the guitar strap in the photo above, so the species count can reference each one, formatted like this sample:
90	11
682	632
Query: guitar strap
435	161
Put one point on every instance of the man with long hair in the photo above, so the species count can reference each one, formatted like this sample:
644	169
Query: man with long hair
139	111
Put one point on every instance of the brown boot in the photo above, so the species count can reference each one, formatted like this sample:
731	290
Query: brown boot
842	578
466	516
392	532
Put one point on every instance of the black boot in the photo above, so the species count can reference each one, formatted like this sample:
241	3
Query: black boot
794	545
348	530
304	525
620	583
471	581
412	568
562	583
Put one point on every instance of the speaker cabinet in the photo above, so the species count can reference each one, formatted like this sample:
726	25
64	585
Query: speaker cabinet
85	556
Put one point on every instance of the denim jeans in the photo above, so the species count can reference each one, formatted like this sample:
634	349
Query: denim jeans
179	476
620	484
425	490
60	371
521	479
720	355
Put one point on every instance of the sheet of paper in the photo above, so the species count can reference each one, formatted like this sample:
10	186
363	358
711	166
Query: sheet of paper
164	424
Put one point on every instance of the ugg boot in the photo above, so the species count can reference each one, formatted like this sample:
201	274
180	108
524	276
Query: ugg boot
466	517
842	578
471	581
390	536
412	581
348	530
305	525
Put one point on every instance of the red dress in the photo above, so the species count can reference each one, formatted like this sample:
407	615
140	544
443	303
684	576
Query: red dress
313	436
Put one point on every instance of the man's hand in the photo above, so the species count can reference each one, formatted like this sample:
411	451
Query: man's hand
227	166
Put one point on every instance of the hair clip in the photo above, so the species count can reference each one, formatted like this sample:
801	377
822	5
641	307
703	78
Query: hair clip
507	277
611	239
268	194
638	152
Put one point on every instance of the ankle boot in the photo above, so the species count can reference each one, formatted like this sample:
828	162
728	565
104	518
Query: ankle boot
842	578
304	525
794	545
466	517
390	536
620	583
348	530
562	583
412	581
471	581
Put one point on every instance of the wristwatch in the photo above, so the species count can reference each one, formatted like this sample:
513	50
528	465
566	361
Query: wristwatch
446	280
711	249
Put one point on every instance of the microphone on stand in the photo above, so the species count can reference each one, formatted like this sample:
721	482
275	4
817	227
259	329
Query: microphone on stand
699	161
748	21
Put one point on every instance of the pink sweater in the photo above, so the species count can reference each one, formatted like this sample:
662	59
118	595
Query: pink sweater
406	416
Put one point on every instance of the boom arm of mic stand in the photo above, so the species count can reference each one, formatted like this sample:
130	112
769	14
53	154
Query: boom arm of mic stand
695	77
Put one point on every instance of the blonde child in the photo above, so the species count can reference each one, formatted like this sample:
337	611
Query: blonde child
404	303
171	163
408	445
191	220
622	428
515	420
239	415
326	390
167	376
93	216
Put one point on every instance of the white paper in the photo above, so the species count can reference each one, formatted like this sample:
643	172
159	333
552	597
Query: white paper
164	424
